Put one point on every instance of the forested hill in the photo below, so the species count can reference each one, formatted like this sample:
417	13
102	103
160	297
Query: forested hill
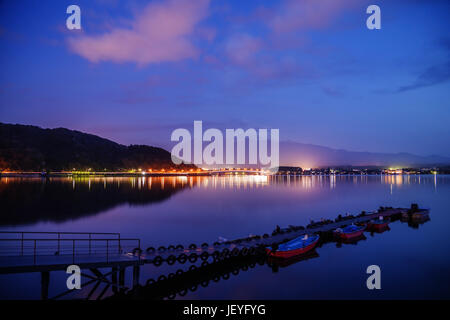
31	148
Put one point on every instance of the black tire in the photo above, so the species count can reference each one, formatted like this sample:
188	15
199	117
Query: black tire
179	272
192	257
244	251
171	275
179	247
204	283
171	296
150	282
204	256
171	248
150	250
216	244
171	259
205	245
182	292
157	261
162	249
205	263
192	268
192	246
182	258
162	278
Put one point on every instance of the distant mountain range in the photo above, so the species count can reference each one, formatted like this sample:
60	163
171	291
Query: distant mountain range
308	155
30	148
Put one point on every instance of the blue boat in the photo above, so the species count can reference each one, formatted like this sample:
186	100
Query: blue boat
294	247
348	232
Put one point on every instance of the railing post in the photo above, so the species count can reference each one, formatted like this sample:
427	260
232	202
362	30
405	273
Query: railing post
22	243
120	248
59	247
34	255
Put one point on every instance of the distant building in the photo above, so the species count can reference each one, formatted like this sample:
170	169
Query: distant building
289	170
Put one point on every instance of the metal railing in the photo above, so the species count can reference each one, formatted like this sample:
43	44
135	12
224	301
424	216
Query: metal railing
59	243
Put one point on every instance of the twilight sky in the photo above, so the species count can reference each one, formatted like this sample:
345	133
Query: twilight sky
140	69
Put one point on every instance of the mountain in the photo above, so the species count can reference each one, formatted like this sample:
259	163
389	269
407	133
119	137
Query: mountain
308	155
31	148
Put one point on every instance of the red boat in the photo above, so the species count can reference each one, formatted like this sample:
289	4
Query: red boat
294	247
377	225
349	232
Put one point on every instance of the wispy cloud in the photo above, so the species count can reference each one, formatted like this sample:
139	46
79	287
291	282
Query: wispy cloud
295	15
161	32
433	75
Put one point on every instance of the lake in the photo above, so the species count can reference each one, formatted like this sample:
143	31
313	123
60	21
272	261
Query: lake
414	259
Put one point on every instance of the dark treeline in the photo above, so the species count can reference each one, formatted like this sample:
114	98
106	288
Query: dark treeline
30	148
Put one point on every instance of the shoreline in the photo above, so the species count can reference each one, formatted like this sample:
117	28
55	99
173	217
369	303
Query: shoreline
190	174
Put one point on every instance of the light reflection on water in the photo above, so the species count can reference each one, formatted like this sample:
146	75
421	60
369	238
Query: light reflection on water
172	210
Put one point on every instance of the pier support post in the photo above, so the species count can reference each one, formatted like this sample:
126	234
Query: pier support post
45	280
136	270
121	277
114	279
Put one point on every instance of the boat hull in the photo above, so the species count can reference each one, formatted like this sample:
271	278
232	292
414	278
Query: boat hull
350	235
377	226
291	253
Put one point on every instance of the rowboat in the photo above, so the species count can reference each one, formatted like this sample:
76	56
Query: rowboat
294	247
350	231
378	224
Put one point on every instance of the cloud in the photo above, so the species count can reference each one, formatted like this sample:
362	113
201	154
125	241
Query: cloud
161	32
431	76
294	15
435	74
241	48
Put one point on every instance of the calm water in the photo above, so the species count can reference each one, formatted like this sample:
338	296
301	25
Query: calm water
414	260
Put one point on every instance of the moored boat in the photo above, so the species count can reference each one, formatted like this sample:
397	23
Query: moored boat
294	247
378	224
349	232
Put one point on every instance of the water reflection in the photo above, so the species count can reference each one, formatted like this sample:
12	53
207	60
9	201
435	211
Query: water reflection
184	210
31	200
60	199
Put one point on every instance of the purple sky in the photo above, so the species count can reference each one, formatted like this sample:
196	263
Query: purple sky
140	69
